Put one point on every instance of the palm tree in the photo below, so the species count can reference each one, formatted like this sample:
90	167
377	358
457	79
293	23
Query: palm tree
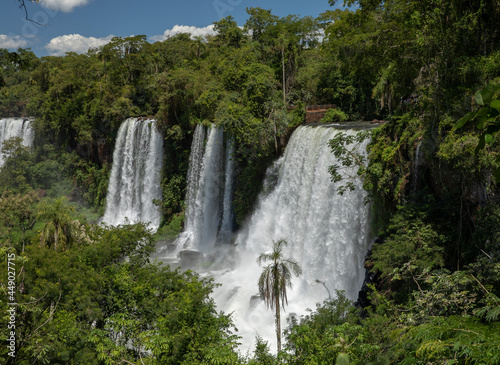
274	280
59	227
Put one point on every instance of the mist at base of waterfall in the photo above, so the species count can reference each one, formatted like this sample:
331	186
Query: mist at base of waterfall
327	233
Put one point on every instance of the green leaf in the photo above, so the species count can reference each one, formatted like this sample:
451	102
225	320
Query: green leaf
481	112
342	359
461	122
496	175
495	104
479	98
488	138
487	93
481	144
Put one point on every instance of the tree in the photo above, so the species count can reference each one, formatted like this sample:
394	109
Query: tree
274	280
228	32
60	227
281	43
16	211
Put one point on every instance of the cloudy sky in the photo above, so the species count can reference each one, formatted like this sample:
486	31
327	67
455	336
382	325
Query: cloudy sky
76	25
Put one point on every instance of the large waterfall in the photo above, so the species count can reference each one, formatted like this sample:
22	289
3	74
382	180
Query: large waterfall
327	233
15	127
135	175
209	214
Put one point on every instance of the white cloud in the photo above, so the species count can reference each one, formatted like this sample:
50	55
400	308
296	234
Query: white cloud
12	41
64	5
194	31
74	43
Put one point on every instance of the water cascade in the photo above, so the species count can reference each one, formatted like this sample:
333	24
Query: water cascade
416	169
209	215
135	175
326	233
15	127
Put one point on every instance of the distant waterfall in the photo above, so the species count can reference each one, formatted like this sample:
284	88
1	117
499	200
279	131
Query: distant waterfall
15	127
135	175
209	213
226	229
327	233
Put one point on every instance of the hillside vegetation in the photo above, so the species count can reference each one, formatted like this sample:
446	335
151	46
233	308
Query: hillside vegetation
429	69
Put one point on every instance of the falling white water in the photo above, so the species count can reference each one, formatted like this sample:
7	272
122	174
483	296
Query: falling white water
226	229
194	172
416	169
327	234
15	127
209	194
135	175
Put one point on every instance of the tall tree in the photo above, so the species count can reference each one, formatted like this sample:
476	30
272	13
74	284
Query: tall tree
274	280
60	226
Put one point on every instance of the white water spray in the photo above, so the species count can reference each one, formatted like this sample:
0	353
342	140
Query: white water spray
135	175
209	214
15	127
327	233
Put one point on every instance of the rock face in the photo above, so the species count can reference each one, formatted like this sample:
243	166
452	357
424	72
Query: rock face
315	113
190	259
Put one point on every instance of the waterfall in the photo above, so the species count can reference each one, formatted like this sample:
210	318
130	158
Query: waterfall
15	127
209	213
416	169
194	172
327	233
135	175
226	229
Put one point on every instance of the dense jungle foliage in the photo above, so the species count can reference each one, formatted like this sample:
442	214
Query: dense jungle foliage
430	69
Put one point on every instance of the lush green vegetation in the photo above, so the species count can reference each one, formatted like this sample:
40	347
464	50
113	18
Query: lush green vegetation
431	171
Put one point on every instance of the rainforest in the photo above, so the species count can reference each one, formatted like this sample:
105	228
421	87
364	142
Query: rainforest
388	202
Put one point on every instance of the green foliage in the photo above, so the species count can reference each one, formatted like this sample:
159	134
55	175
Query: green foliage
172	229
487	120
17	217
442	293
330	332
60	229
411	246
95	184
262	354
101	301
334	115
453	339
16	174
390	156
346	149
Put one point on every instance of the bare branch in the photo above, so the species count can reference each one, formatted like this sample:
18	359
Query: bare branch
22	5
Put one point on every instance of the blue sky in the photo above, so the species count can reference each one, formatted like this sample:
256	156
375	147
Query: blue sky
76	25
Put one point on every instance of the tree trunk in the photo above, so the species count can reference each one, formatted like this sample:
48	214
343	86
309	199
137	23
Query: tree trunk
283	66
275	137
278	323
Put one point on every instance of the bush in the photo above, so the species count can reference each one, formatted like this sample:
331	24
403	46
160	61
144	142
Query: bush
334	116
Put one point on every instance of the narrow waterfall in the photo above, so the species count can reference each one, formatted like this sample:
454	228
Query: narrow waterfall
209	214
416	169
327	233
226	229
15	127
135	175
